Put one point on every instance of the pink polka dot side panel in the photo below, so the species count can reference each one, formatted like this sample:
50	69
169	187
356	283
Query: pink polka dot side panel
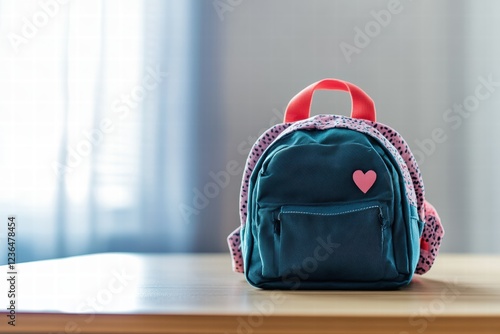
431	238
234	243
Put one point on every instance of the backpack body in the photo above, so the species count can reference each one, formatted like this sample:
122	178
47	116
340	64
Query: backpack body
333	202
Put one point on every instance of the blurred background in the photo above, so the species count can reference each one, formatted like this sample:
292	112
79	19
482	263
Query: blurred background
117	118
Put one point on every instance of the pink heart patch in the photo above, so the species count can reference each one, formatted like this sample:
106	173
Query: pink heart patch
364	181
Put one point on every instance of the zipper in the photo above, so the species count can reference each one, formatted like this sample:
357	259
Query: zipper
277	218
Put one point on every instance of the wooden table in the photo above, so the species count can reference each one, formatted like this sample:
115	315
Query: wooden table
126	293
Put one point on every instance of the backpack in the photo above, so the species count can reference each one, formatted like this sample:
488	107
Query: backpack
333	202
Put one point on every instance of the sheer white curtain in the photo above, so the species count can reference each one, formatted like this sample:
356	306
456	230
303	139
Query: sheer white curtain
94	106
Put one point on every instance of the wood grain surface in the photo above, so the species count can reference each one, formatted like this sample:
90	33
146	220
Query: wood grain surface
198	293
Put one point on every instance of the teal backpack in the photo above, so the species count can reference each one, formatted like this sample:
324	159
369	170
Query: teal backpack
333	202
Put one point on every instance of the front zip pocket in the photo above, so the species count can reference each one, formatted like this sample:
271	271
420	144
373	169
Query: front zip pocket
334	243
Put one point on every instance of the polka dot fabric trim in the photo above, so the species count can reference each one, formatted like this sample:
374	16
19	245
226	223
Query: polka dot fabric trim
234	243
432	236
387	136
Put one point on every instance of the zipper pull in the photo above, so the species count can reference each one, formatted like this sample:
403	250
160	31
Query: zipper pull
277	224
